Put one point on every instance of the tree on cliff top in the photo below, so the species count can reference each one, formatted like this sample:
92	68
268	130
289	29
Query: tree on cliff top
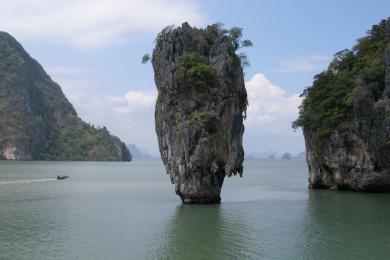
328	103
234	34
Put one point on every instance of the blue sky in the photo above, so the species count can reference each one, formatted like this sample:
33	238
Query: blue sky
93	50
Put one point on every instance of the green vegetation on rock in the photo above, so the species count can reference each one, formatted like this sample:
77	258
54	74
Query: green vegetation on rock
201	118
146	58
193	69
328	104
345	117
37	121
234	34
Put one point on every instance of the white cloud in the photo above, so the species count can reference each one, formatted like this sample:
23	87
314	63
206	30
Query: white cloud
130	103
93	23
129	116
268	103
78	86
140	98
269	116
304	63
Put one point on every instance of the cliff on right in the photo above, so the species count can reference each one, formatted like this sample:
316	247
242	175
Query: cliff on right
345	117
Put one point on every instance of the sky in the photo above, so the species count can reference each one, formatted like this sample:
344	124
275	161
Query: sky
93	49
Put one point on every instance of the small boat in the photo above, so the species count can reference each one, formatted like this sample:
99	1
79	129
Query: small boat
63	177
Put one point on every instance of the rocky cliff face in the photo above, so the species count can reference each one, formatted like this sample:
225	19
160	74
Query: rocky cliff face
346	118
37	122
199	111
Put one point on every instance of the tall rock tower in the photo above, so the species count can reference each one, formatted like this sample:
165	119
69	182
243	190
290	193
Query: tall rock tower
200	109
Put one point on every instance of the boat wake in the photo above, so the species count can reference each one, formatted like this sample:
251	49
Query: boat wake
26	181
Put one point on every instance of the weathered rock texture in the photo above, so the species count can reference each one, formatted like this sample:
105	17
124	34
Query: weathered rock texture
37	122
199	110
355	155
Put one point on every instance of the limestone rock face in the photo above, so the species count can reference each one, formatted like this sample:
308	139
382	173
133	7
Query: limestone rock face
359	158
200	109
37	122
360	161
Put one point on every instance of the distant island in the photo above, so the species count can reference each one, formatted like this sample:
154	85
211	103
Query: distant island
345	117
138	153
37	122
271	155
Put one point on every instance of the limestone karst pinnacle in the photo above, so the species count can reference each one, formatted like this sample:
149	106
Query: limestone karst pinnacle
200	109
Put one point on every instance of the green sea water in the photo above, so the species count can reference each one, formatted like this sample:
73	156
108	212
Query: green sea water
129	211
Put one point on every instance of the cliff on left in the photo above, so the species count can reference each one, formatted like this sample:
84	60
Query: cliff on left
37	122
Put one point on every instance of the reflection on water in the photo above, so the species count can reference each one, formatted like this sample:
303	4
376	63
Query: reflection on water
347	225
204	232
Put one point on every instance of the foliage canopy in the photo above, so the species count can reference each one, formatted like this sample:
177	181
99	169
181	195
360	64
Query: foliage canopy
234	34
328	103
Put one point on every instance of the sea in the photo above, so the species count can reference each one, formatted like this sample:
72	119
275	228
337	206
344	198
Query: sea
120	210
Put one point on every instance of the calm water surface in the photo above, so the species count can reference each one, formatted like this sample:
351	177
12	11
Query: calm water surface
130	211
